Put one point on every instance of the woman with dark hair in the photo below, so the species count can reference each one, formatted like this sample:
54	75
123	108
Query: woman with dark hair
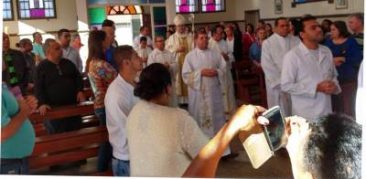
269	30
238	44
101	74
248	38
163	140
347	59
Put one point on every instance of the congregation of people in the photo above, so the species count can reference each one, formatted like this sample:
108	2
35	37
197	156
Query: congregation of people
166	101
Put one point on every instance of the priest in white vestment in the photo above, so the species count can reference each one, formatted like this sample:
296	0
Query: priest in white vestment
218	44
273	51
180	43
165	57
203	72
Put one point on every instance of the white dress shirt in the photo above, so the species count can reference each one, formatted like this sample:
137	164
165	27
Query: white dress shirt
273	50
119	101
361	96
302	71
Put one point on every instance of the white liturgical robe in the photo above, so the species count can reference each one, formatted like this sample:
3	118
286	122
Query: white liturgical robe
205	101
166	58
173	43
361	96
273	51
228	87
302	71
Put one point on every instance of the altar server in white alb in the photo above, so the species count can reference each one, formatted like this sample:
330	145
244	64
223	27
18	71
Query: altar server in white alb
165	57
180	43
309	74
220	45
273	50
203	72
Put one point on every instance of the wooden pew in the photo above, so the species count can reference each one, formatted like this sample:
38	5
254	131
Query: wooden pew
249	83
67	147
85	110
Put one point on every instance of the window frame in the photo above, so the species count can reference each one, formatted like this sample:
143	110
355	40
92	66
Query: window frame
35	18
194	12
110	8
205	12
307	1
11	11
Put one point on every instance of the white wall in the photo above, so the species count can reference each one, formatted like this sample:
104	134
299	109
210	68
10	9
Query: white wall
266	8
235	10
228	15
66	18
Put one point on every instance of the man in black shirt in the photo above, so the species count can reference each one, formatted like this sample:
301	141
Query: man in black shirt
16	72
58	83
25	45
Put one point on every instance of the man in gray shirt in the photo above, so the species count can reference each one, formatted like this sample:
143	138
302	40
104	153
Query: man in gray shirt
68	52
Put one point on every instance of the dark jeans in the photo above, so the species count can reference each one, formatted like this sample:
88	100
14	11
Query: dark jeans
63	125
14	166
105	150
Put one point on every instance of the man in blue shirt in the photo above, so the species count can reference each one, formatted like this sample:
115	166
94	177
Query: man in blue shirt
109	28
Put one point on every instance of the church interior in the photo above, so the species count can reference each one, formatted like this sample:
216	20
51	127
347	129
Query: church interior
220	55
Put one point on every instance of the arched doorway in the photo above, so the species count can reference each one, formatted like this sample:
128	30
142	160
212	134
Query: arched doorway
128	20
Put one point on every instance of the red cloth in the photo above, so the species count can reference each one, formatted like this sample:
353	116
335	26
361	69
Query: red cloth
247	40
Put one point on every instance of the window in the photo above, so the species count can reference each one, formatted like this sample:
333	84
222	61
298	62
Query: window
212	5
7	10
127	10
36	9
186	6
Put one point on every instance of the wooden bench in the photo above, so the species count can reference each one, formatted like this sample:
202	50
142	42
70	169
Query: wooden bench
85	110
249	83
67	147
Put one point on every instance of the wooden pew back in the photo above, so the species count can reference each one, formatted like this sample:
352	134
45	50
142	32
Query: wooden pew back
67	147
85	110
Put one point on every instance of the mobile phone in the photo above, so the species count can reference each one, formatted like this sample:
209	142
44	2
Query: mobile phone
261	147
275	131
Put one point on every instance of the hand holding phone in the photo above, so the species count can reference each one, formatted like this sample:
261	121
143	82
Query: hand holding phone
260	147
276	129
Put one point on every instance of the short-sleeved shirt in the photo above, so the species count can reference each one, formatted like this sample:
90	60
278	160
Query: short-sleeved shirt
22	142
162	140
